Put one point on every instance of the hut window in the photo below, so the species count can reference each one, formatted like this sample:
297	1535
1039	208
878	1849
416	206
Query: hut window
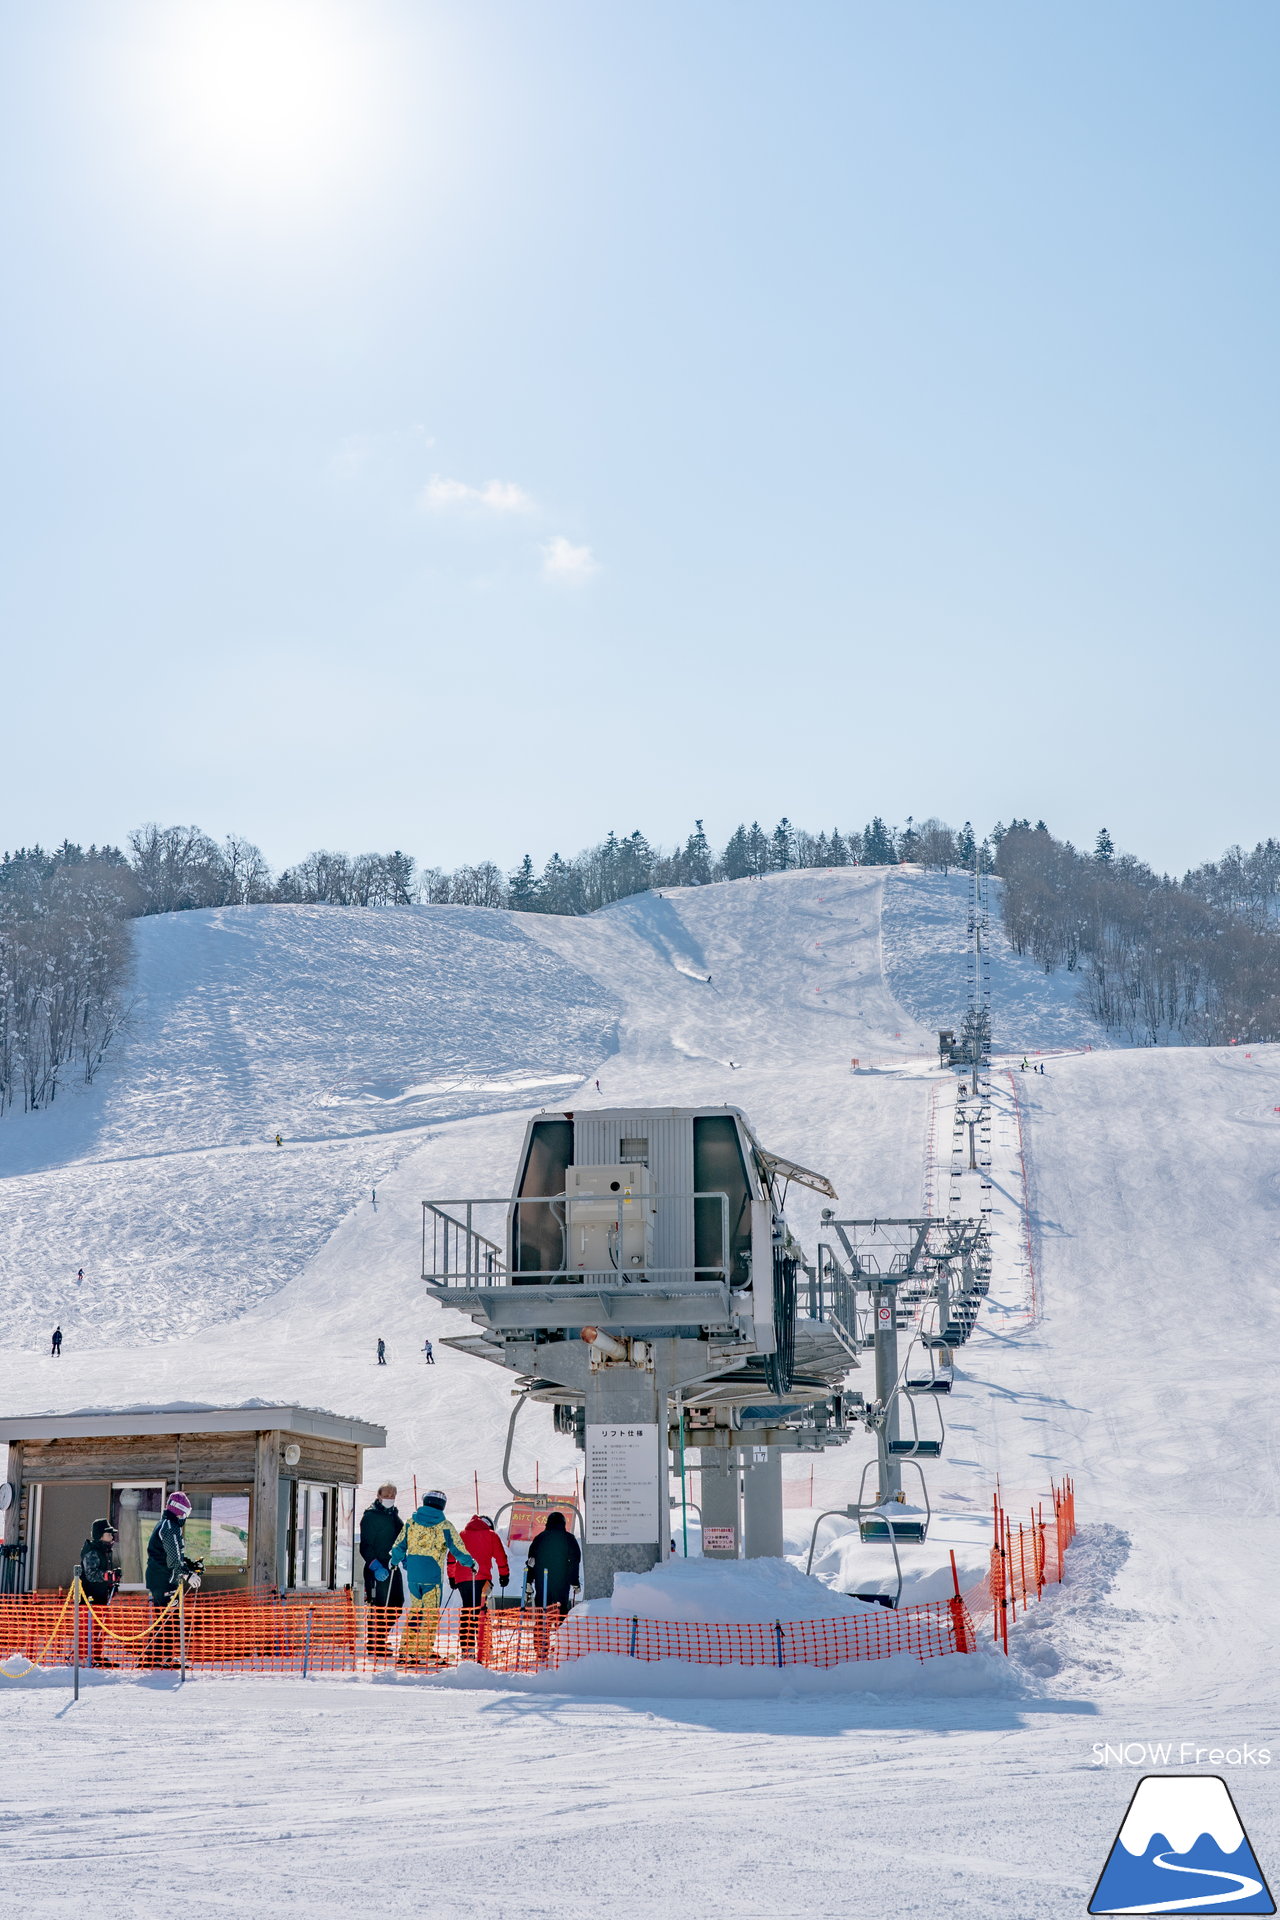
134	1512
218	1530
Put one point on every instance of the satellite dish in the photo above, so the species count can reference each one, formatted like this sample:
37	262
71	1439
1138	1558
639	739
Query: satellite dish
292	1454
7	1495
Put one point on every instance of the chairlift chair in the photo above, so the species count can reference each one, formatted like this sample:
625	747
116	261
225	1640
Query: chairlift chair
874	1525
931	1382
919	1446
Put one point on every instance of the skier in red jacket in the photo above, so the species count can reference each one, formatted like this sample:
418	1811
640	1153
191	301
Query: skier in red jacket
482	1542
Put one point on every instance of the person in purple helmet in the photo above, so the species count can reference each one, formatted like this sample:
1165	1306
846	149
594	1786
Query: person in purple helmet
167	1567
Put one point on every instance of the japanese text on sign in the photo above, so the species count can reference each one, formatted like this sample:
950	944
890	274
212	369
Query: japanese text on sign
622	1483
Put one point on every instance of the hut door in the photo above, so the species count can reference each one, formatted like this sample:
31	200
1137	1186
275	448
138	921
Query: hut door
67	1511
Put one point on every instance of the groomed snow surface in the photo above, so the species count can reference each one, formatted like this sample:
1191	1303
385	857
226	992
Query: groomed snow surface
1129	1339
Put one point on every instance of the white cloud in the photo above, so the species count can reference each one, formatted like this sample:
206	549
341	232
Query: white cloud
496	496
561	560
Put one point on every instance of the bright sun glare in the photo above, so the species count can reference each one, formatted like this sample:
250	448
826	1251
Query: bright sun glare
271	97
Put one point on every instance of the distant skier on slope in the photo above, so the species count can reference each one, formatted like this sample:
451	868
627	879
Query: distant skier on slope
426	1542
55	1350
428	1353
279	1140
382	1353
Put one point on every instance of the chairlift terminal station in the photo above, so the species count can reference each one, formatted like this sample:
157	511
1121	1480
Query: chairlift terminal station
642	1279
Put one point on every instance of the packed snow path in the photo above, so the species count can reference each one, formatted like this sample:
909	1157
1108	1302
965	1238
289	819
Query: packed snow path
1145	1370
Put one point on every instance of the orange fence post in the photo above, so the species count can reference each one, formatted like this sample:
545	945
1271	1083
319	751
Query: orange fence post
999	1577
960	1625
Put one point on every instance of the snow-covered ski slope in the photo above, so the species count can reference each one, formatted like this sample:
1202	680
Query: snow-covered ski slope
925	933
411	1045
342	1030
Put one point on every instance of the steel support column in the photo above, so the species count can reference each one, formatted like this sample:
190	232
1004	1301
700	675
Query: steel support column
762	1503
720	1506
886	1386
616	1396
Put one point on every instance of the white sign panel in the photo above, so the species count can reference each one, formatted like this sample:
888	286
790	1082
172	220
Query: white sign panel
622	1483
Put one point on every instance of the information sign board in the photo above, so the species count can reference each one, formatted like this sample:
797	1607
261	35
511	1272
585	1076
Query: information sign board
622	1483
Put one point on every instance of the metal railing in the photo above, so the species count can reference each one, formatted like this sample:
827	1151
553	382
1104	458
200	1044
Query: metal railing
456	1253
833	1299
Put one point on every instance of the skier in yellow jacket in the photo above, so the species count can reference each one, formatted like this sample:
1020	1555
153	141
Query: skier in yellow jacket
425	1542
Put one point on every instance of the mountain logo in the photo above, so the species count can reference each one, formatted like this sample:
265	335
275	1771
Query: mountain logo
1181	1849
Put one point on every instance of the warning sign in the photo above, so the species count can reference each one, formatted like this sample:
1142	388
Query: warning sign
718	1540
529	1515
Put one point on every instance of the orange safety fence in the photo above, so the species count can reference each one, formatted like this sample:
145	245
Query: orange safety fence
506	1639
932	1628
261	1631
333	1636
1026	1556
36	1627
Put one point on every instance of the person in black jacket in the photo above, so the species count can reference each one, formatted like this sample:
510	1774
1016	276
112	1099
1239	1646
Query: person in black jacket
383	1585
99	1574
552	1571
167	1565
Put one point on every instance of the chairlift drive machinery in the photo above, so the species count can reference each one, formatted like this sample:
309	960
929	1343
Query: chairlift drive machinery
642	1279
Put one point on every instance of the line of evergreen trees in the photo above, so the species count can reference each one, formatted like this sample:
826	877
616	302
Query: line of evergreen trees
1159	959
64	959
173	869
64	947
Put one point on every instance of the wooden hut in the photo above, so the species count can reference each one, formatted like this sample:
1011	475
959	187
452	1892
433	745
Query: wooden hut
272	1489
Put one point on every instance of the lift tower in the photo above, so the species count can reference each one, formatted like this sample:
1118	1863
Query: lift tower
884	1274
642	1279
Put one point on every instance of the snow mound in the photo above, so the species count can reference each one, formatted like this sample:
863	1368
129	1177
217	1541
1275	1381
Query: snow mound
612	1676
721	1590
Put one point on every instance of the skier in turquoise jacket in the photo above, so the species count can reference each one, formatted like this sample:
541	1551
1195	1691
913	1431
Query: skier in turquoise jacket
426	1541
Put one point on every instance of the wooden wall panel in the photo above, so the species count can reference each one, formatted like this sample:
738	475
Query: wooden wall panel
203	1458
12	1517
266	1480
327	1460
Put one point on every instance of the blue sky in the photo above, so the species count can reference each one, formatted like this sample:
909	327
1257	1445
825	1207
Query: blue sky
468	427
